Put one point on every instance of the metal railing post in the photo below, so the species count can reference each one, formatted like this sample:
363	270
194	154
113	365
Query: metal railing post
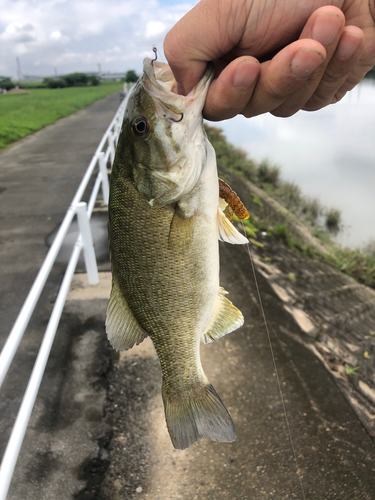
111	143
103	171
118	127
88	246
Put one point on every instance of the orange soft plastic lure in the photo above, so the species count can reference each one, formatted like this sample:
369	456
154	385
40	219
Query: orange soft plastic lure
233	200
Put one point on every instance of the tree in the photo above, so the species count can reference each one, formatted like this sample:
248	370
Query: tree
76	79
131	76
58	83
6	83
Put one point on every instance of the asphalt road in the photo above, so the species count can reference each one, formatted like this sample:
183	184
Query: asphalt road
98	431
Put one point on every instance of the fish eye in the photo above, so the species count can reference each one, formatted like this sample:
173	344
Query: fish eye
140	126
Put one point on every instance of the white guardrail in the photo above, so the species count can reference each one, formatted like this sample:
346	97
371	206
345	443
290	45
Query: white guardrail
84	240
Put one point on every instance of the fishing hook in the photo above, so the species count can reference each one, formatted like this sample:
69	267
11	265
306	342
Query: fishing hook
177	121
155	50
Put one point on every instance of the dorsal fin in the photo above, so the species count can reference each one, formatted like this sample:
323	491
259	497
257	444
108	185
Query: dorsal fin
226	319
122	328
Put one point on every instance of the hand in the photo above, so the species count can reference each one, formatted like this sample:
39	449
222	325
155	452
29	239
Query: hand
316	57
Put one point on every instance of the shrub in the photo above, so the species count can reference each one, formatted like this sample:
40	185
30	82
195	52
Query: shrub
311	209
291	194
59	83
322	235
333	220
131	76
369	248
95	81
6	83
76	79
268	173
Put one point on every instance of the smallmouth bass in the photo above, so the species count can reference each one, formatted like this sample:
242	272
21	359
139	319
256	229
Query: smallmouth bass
164	225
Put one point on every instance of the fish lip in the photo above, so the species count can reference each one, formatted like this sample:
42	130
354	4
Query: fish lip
179	102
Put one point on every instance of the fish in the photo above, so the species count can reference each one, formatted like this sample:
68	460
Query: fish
165	220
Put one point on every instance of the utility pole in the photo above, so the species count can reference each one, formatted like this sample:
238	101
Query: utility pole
19	71
99	69
55	69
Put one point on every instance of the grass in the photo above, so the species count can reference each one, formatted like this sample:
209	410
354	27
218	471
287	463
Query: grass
23	114
354	263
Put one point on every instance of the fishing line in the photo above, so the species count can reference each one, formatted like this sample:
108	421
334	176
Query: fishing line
274	363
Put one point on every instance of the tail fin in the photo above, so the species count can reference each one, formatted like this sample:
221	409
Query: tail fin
195	416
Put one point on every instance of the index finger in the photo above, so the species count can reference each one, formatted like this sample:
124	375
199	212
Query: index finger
194	41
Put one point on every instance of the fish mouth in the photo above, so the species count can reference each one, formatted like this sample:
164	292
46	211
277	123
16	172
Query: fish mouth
159	82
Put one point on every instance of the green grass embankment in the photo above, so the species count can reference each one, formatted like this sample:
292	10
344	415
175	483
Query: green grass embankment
23	114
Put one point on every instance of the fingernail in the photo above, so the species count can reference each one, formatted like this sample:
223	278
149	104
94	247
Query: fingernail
326	28
245	74
347	46
305	62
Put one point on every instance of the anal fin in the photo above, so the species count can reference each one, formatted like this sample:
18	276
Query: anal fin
226	319
122	328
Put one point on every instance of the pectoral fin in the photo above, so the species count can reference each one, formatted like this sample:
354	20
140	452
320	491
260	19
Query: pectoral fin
122	328
226	319
227	232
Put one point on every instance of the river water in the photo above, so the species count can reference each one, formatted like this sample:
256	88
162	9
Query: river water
329	153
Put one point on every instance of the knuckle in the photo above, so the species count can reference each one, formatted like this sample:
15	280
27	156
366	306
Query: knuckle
284	112
277	93
314	105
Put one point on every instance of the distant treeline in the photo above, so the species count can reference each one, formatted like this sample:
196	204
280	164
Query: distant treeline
71	80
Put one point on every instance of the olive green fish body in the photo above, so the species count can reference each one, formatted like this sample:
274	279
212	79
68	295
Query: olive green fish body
164	221
170	292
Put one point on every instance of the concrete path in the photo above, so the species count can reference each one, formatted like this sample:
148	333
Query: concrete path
98	430
39	176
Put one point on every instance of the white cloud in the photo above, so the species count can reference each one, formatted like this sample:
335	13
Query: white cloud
18	33
155	28
77	35
56	36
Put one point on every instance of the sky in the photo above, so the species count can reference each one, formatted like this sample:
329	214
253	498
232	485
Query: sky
72	35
